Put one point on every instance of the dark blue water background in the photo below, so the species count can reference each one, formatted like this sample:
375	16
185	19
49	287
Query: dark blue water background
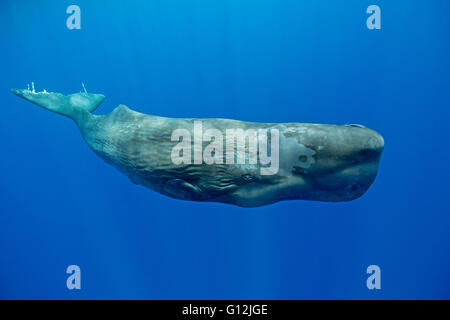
269	61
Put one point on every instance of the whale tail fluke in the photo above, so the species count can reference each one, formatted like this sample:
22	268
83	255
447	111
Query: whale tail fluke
72	106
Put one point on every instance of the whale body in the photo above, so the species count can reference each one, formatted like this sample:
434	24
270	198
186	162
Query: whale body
315	161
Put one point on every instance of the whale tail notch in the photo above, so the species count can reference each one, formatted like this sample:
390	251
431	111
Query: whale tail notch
72	105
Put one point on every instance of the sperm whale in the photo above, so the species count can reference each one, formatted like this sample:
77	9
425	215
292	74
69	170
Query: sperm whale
247	164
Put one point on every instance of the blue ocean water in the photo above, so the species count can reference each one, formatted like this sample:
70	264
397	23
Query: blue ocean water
265	60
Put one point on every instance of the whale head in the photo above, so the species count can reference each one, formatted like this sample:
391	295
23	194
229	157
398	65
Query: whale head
346	162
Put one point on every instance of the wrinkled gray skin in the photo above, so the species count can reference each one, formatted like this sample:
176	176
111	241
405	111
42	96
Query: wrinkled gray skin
317	162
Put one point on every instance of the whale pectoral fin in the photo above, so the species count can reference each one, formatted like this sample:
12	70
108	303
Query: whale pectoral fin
181	189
